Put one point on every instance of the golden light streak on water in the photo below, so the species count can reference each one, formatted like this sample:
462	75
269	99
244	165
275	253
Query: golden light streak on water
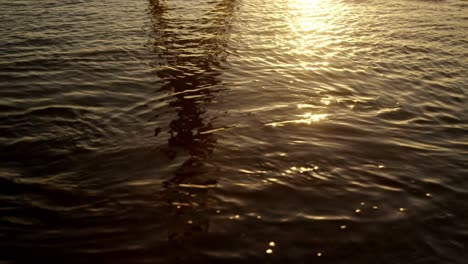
309	20
307	118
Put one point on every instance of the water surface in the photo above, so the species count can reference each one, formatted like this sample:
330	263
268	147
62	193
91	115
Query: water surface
233	131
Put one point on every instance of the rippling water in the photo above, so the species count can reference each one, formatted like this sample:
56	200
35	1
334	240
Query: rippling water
311	131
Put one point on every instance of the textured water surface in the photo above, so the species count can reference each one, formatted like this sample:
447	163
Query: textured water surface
311	131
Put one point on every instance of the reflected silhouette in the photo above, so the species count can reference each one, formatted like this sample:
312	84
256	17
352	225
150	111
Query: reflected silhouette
190	42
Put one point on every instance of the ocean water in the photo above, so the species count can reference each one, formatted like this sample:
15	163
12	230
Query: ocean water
234	131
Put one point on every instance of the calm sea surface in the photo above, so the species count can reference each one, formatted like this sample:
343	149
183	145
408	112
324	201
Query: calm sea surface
234	131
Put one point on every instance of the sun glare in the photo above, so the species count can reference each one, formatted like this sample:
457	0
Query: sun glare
312	22
309	15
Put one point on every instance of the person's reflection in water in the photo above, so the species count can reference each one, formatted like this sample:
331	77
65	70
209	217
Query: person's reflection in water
191	51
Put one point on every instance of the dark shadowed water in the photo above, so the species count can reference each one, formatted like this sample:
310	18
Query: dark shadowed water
234	131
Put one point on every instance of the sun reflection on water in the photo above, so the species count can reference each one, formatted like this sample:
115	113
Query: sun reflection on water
309	14
307	118
315	30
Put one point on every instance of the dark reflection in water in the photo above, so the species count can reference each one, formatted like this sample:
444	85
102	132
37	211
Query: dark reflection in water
192	61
